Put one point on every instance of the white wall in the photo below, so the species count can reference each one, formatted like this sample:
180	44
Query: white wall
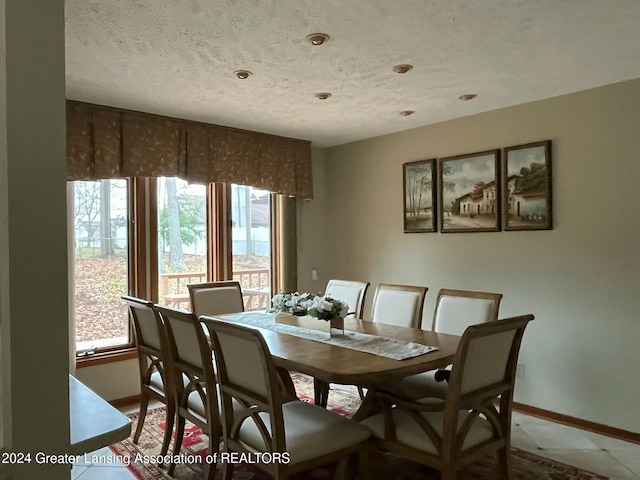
33	276
580	279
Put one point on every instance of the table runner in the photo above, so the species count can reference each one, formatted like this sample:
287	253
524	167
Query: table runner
362	342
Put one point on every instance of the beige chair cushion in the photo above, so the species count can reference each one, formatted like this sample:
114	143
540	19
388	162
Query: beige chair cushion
409	433
396	307
310	432
454	314
217	301
351	295
417	386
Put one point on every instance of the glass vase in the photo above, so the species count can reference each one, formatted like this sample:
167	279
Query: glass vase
336	326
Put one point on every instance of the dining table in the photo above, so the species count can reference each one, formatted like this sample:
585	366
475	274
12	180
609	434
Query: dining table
333	362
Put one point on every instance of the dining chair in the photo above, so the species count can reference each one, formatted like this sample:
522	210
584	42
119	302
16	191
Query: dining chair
455	311
154	364
466	426
216	298
351	292
196	399
293	436
400	305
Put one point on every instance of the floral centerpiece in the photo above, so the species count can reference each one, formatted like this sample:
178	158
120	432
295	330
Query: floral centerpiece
294	303
327	308
307	305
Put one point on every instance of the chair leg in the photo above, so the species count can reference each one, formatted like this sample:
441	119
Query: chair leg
144	402
168	427
448	473
227	471
504	462
320	392
177	445
341	468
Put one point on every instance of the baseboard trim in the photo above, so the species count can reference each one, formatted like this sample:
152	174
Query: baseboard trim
126	401
578	423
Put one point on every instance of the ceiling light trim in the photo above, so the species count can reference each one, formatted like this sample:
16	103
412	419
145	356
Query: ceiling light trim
402	68
317	39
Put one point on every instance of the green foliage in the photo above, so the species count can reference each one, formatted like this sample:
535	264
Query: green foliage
533	178
190	219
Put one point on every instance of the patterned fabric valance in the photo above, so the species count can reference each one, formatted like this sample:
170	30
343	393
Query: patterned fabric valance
104	142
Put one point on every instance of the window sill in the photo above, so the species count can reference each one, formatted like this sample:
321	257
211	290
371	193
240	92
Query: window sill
110	356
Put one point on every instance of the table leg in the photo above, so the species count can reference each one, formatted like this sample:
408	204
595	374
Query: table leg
320	392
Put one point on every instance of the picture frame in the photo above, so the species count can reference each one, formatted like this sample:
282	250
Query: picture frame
419	196
470	192
527	187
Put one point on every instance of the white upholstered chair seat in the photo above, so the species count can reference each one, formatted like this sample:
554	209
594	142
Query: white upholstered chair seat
311	432
420	385
410	434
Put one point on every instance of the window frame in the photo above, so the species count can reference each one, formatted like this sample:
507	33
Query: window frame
143	253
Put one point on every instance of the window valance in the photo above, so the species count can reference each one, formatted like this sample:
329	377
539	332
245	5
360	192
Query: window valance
105	142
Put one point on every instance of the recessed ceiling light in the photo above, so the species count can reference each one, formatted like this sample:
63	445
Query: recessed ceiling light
243	74
403	68
322	95
406	113
467	96
317	38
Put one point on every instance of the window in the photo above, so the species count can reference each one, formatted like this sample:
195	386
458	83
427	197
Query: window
182	239
150	237
101	263
251	244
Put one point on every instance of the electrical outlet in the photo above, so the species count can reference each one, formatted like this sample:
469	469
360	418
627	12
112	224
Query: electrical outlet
520	370
314	274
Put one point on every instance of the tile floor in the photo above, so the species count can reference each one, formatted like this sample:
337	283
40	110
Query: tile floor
604	455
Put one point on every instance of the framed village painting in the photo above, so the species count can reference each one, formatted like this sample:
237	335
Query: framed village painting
527	187
469	191
419	196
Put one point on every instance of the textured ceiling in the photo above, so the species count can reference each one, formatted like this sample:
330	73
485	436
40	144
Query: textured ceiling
177	58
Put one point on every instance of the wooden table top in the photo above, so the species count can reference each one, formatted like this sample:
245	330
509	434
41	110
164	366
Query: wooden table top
336	364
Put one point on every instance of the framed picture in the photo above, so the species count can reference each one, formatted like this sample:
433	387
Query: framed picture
469	190
527	187
419	196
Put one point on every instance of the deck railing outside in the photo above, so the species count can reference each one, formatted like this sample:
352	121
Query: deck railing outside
255	288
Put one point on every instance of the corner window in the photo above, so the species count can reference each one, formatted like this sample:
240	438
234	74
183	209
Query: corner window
101	264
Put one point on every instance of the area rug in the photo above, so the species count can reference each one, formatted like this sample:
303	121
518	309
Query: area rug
141	459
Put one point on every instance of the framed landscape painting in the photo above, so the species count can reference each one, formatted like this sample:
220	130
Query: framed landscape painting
527	187
419	196
469	190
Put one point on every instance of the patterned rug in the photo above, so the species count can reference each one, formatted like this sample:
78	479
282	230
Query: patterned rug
344	401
